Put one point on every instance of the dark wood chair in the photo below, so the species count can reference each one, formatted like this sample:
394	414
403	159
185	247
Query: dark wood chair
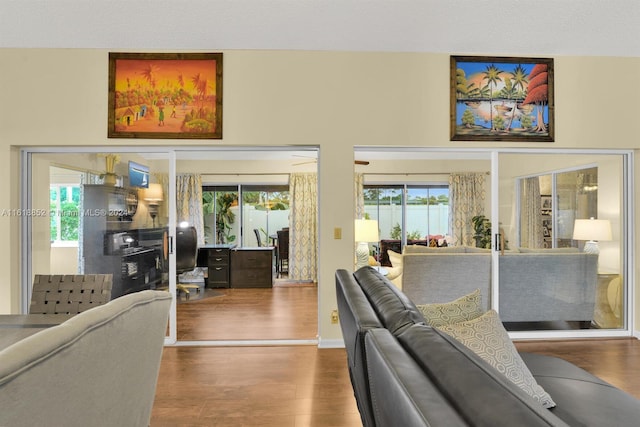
283	252
69	294
258	238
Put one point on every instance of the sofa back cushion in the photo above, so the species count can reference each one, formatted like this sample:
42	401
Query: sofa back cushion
443	277
402	393
547	286
357	317
470	383
420	249
394	309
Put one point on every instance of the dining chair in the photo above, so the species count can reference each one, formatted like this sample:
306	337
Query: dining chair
283	251
258	238
68	293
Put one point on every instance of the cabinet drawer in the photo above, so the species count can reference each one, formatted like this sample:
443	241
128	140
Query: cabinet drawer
218	259
252	259
219	274
251	278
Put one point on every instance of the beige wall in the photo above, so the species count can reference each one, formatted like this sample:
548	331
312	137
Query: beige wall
333	100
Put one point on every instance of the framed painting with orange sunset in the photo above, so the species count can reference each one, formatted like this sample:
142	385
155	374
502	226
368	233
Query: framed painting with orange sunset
502	99
165	95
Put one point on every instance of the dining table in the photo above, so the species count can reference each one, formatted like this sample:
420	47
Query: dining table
16	327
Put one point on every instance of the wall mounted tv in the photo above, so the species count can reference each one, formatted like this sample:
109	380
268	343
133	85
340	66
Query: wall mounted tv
138	175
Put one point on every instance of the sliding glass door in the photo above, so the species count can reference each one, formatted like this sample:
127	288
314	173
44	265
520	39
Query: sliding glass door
99	213
561	242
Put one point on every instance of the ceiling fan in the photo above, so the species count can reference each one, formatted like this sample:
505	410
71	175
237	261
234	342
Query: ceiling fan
314	160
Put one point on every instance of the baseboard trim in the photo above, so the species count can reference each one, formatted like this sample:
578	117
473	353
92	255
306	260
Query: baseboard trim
332	343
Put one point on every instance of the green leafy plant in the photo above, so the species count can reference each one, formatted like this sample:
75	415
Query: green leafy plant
224	217
396	233
482	229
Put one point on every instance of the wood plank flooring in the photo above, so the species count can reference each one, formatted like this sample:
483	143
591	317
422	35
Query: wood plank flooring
302	386
284	312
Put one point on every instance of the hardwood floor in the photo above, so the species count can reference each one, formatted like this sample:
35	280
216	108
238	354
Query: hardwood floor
281	386
301	385
284	312
613	360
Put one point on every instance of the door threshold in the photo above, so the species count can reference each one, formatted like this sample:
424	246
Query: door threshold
243	343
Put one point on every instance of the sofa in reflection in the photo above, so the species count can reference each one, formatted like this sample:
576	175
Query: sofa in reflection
535	285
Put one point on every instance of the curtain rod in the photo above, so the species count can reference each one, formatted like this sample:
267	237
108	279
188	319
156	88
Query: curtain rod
412	173
245	174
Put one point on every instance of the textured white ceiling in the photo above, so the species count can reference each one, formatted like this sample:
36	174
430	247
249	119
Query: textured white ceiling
541	27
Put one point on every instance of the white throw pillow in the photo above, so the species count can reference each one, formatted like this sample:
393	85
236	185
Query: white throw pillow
464	308
486	337
394	258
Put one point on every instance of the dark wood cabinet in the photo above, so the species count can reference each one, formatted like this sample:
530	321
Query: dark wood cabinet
110	246
252	268
217	259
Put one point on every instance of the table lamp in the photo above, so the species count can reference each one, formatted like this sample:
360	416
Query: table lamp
366	231
153	196
592	230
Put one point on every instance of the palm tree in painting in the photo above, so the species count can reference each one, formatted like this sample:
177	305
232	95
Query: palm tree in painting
492	76
149	74
538	93
517	81
201	85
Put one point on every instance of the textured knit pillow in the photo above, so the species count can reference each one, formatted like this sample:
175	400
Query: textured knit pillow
486	337
464	308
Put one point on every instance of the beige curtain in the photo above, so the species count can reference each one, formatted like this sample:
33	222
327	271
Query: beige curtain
303	227
189	202
359	192
531	235
466	199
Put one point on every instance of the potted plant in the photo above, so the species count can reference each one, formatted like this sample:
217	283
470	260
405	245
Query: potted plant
482	228
224	217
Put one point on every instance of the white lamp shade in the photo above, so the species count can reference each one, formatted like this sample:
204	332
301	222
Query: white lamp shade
592	229
153	193
366	230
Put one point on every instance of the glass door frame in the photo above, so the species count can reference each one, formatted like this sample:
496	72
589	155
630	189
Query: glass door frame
627	242
170	154
26	228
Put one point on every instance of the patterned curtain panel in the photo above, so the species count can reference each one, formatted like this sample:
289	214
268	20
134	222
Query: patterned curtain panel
359	192
466	199
531	234
303	231
189	202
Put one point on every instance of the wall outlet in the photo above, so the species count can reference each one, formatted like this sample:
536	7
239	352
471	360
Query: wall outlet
334	316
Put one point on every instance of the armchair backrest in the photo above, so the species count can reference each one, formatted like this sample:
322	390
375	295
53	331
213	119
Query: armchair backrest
99	368
71	294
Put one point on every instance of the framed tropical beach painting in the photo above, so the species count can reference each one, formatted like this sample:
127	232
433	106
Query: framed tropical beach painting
501	99
165	95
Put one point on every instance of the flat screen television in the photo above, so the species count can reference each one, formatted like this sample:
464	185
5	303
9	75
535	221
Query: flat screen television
138	175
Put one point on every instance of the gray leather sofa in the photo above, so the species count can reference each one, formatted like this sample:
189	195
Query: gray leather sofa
99	368
405	373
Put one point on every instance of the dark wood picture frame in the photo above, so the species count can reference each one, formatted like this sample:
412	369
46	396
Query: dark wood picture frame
165	95
497	98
